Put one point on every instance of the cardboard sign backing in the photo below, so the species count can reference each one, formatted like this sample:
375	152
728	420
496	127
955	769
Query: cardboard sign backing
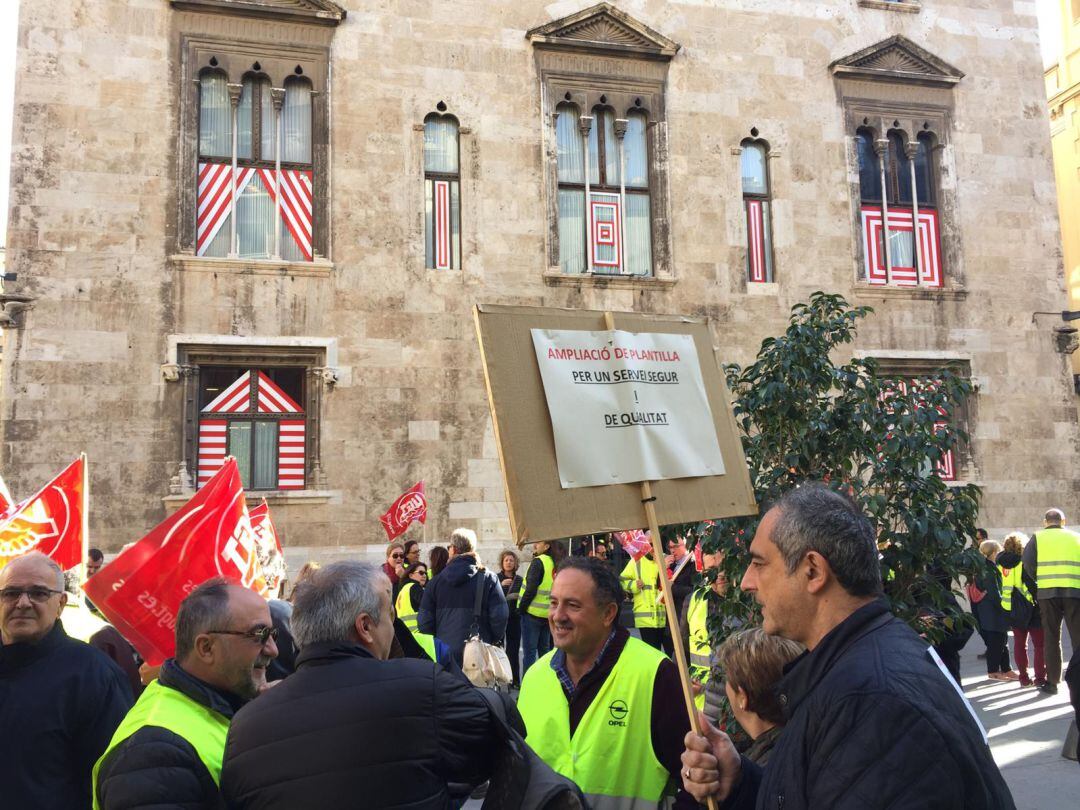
540	509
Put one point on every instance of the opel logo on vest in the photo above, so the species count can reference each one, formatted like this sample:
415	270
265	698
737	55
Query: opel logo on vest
618	711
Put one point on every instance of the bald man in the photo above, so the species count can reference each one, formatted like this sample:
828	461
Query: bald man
60	699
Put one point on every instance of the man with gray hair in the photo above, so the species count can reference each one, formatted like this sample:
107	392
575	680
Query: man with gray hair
449	609
872	718
351	728
1052	558
60	699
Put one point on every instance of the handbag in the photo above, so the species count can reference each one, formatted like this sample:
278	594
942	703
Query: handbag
520	779
484	664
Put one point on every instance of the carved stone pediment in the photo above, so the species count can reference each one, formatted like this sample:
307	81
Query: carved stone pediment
318	12
900	61
605	29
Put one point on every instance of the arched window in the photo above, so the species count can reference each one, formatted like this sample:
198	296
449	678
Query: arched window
442	182
896	251
756	202
604	213
272	182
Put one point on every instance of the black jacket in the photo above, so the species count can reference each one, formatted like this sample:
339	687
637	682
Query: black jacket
872	722
446	610
156	769
1025	612
60	702
347	730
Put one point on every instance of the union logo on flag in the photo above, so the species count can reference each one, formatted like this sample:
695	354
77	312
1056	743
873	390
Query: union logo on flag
50	522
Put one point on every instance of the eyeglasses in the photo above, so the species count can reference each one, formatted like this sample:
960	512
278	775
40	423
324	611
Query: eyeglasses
40	595
262	635
397	556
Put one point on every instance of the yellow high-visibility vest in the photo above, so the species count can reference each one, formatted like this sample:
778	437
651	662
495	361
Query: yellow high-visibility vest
164	707
404	609
647	612
697	615
1013	578
610	755
540	606
1058	552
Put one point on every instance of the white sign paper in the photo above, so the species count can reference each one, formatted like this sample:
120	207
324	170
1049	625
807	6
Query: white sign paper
626	407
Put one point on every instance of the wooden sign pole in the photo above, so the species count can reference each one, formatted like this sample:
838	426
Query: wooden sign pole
648	501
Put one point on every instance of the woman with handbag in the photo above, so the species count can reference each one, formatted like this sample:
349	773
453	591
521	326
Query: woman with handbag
511	586
993	623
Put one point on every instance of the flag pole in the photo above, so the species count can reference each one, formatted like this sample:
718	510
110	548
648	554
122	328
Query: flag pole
648	500
85	516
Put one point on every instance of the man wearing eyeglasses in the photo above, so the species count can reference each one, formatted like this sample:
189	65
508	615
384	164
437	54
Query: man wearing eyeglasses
60	699
168	750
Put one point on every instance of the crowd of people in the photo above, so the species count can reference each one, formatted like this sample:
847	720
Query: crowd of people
350	692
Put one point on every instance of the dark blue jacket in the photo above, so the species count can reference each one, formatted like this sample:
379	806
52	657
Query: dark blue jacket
60	702
447	608
873	723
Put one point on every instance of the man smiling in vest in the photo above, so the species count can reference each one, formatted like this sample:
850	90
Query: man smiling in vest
603	708
168	750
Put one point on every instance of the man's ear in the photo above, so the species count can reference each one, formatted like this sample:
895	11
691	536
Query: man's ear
817	572
204	648
63	600
611	614
363	625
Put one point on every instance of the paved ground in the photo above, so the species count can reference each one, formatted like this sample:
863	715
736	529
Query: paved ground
1027	730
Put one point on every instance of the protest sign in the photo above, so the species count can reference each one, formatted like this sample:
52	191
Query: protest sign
52	521
210	536
646	393
539	506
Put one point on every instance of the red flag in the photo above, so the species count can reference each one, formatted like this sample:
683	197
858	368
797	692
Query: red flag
412	505
271	556
50	522
635	542
5	497
140	591
699	558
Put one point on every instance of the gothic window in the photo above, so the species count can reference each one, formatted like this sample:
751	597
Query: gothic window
897	253
255	183
442	189
757	205
604	213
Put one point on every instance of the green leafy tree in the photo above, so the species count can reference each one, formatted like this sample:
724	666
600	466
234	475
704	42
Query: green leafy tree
805	417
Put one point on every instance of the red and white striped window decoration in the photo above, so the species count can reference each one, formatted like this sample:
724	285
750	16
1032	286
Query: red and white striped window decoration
758	245
902	247
605	219
216	195
946	467
442	182
254	399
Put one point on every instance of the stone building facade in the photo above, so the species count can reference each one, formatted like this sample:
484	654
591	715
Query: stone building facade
393	163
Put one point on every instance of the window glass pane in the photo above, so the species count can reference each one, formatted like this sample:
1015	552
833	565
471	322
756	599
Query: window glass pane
869	168
265	473
296	122
607	254
240	449
902	248
754	173
289	379
611	147
636	152
899	159
594	148
219	245
215	116
266	121
638	235
923	175
441	145
569	145
243	121
572	230
255	220
215	379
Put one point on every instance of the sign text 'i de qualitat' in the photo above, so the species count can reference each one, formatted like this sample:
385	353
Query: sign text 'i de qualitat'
626	407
